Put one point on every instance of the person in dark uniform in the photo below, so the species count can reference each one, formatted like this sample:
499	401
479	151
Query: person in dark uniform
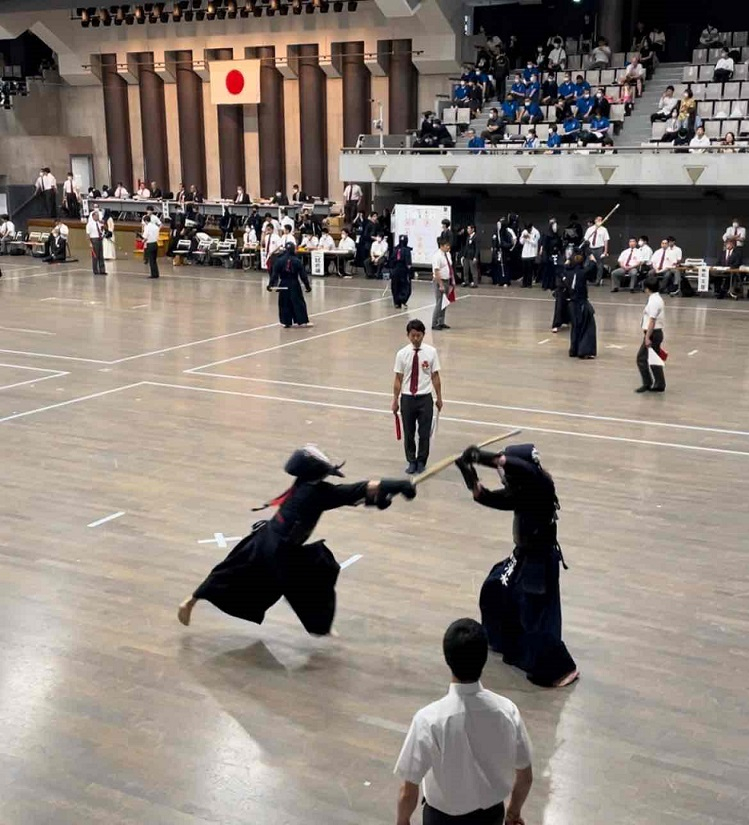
552	255
561	300
288	274
366	239
472	259
521	608
276	561
401	268
583	342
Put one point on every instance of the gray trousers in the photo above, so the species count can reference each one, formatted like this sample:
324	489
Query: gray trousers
438	316
471	271
619	273
597	253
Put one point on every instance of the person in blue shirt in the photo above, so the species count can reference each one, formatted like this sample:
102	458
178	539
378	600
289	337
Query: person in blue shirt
531	141
518	90
584	107
581	85
571	128
469	73
554	141
530	69
597	130
567	97
533	90
476	143
460	94
531	112
510	109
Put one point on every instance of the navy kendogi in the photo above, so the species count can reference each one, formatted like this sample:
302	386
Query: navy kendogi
400	272
583	335
289	275
520	604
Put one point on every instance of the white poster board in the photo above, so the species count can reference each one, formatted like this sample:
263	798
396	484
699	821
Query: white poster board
317	263
423	225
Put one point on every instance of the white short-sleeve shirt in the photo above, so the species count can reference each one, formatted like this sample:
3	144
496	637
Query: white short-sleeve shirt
597	236
429	364
442	262
466	748
655	308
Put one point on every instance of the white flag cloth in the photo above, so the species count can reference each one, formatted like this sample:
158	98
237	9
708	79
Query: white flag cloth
655	360
235	81
435	424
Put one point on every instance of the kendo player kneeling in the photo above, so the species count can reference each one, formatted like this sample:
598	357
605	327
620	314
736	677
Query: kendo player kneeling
521	608
275	560
287	277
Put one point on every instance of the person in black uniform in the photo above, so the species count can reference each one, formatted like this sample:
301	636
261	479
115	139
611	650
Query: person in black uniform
401	268
561	300
583	342
472	259
288	272
552	254
521	608
275	560
503	242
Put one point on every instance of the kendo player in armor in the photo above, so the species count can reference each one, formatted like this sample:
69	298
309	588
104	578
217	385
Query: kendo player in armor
520	605
275	559
289	275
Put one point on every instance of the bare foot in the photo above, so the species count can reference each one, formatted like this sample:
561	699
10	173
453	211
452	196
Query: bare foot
185	611
568	679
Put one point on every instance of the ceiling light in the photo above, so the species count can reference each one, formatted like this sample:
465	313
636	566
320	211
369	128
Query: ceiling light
187	16
352	5
231	9
324	6
338	6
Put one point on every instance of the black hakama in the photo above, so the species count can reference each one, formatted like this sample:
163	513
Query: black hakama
561	302
289	275
583	337
400	275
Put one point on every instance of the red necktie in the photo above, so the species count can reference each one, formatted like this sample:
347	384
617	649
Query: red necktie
450	268
595	236
663	258
629	258
414	385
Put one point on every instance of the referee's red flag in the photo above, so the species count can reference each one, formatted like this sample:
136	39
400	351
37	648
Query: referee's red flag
398	433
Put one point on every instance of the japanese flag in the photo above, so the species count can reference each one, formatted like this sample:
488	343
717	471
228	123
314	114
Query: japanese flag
235	81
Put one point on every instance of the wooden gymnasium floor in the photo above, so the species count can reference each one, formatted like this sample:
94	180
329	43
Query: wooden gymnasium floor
177	403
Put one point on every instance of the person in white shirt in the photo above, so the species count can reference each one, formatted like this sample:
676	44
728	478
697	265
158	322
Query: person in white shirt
470	749
71	196
326	242
352	197
660	262
143	192
674	257
710	37
443	278
724	68
645	250
736	232
309	242
597	237
629	265
250	237
700	141
95	232
7	233
272	246
120	192
557	59
149	217
150	233
287	222
634	73
530	238
653	375
109	245
378	256
666	105
46	186
600	56
348	245
417	372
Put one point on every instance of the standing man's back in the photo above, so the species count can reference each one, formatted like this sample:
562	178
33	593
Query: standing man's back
470	748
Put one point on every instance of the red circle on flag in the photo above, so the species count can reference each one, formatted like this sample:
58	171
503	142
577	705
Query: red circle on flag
234	82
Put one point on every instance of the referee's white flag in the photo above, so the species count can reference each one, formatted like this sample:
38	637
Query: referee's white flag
655	360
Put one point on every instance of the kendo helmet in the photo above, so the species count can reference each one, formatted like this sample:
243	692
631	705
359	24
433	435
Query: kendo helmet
311	464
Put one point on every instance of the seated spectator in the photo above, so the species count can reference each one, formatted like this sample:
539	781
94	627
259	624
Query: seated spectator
534	88
477	143
510	109
597	130
440	135
581	85
530	113
326	242
540	60
554	141
627	97
658	41
460	95
486	83
728	144
469	73
634	73
249	239
476	98
517	90
601	55
571	128
700	141
531	141
7	233
55	248
687	110
646	255
672	127
724	68
731	258
682	139
378	256
120	192
666	106
710	37
501	68
425	127
675	257
557	60
602	102
567	96
531	68
549	90
584	107
629	267
495	128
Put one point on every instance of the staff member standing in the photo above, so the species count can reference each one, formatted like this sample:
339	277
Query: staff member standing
653	377
352	198
443	277
470	748
151	231
46	185
417	371
597	237
95	232
72	196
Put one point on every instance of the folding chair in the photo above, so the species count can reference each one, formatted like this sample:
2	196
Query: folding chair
224	252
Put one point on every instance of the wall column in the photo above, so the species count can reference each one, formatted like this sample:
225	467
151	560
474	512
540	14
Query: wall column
230	140
191	127
270	125
117	120
153	122
357	103
610	23
313	120
403	88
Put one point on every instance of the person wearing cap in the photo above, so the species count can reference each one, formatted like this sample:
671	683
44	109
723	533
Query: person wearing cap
287	277
276	561
521	608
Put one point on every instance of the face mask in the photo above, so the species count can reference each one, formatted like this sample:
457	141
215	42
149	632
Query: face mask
735	224
599	94
640	243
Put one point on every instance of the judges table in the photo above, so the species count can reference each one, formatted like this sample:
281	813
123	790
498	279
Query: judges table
317	261
165	209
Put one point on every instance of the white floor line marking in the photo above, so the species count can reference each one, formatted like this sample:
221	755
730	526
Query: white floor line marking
69	402
671	305
31	331
614	346
34	380
545	341
300	341
351	561
33	369
693	352
532	410
385	724
106	519
51	355
379	411
220	540
140	306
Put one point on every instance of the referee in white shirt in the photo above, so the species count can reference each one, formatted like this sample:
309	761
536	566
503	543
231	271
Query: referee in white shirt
417	370
151	249
352	197
470	748
443	277
653	376
95	232
597	237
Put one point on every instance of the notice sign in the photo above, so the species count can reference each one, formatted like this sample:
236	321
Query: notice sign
703	279
317	263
